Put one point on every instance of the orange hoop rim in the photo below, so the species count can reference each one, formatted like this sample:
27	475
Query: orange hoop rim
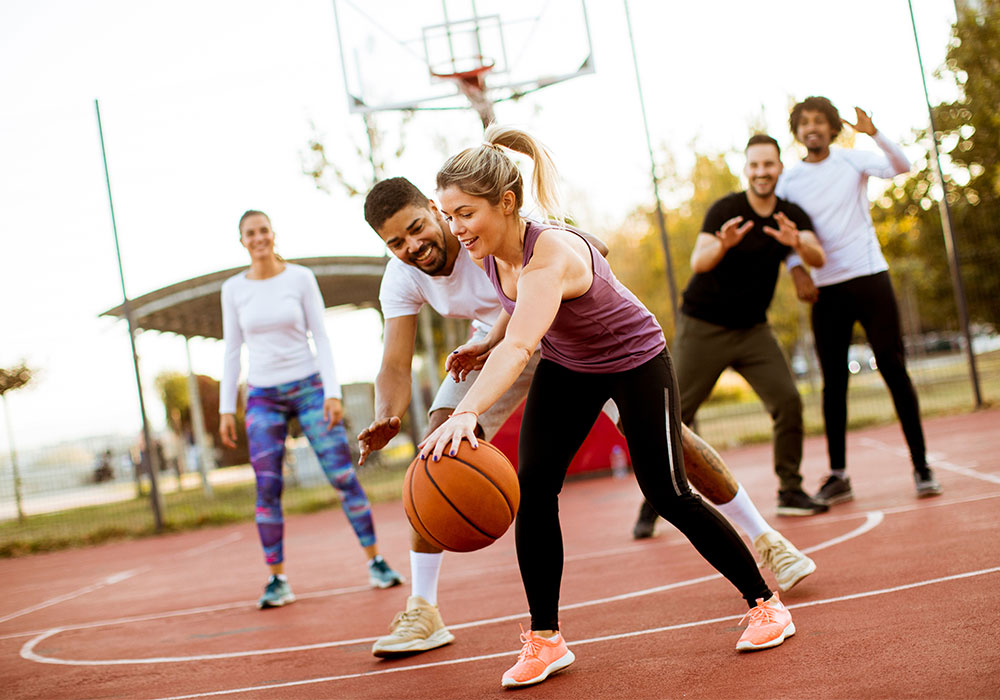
466	76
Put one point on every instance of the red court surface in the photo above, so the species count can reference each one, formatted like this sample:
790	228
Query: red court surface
905	602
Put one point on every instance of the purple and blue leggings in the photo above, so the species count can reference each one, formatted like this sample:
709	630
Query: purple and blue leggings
268	412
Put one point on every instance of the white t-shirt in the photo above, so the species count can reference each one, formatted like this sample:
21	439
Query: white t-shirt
834	193
274	317
466	293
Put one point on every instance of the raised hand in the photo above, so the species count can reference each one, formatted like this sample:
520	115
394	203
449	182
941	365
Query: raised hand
466	358
732	233
377	435
787	232
864	122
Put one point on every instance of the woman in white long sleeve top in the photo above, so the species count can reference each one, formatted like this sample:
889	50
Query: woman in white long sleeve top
273	307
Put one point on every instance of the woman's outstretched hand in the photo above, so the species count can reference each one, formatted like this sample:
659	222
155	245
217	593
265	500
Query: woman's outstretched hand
449	435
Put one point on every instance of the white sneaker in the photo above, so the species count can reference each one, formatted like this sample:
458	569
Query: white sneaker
418	628
779	555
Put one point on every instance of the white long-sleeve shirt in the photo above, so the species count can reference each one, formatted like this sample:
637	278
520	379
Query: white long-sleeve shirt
274	317
465	293
834	192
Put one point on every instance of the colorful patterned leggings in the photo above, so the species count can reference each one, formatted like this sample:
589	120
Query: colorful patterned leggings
268	412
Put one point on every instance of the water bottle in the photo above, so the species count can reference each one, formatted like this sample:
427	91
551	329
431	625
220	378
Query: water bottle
619	463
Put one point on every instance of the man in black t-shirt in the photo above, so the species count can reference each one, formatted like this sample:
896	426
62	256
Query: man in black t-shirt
723	318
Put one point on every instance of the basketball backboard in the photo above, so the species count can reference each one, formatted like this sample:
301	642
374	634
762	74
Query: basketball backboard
396	55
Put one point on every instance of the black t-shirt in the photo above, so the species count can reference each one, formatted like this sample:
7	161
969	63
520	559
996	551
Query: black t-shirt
737	291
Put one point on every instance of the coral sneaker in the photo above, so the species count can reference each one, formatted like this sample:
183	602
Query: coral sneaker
540	657
770	624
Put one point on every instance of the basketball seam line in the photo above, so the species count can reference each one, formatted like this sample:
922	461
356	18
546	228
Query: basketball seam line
416	514
503	493
448	500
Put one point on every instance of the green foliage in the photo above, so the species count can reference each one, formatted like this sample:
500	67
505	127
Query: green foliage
907	217
637	255
173	388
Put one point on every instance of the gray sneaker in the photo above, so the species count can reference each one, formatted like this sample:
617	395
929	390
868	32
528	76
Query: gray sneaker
926	485
276	594
835	490
381	575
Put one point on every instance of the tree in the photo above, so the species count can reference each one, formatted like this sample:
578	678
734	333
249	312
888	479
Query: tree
173	389
636	254
11	380
906	215
326	172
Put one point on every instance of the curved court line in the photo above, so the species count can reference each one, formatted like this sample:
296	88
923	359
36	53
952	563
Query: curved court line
106	581
28	652
188	611
592	640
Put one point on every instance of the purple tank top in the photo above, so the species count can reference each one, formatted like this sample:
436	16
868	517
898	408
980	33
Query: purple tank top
606	329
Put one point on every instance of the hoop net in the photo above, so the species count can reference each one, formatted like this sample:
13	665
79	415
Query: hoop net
472	83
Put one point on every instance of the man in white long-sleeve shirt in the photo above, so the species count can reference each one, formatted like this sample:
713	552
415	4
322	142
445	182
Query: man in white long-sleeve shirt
831	185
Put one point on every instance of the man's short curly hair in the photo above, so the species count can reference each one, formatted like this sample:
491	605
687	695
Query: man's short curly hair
816	104
390	196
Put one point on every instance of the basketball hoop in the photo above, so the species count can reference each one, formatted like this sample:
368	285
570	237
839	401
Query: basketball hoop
472	84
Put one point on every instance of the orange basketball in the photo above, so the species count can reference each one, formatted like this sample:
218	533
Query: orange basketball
462	503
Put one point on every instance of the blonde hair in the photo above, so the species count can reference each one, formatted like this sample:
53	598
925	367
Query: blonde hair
486	171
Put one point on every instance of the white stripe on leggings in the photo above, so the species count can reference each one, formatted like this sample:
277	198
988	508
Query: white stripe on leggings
670	444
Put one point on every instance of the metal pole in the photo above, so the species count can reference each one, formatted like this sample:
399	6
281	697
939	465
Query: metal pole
16	473
149	461
203	448
661	222
947	228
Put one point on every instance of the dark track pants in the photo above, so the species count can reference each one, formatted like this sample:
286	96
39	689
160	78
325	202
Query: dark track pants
561	407
870	300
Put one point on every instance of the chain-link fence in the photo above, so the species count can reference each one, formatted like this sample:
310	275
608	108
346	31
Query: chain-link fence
91	490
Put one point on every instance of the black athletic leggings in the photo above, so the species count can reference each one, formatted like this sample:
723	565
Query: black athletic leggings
561	407
870	300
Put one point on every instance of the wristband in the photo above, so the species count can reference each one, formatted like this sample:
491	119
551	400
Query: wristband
458	413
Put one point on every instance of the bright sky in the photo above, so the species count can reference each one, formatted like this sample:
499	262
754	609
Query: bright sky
207	105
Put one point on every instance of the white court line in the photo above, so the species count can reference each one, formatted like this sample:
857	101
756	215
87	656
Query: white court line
28	649
187	611
936	460
209	546
593	640
107	581
825	520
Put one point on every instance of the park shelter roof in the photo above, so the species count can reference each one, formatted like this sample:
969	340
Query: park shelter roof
194	307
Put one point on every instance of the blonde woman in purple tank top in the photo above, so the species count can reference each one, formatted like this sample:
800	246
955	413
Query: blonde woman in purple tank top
598	343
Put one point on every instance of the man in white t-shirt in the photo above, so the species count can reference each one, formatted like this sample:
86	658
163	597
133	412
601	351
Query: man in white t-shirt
831	185
429	267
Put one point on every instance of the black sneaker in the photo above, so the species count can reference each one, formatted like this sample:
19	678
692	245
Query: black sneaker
645	524
926	484
835	490
798	502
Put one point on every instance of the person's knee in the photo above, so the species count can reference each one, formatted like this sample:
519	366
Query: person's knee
787	407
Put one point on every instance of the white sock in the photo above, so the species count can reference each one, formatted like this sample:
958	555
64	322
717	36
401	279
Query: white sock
424	571
744	514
